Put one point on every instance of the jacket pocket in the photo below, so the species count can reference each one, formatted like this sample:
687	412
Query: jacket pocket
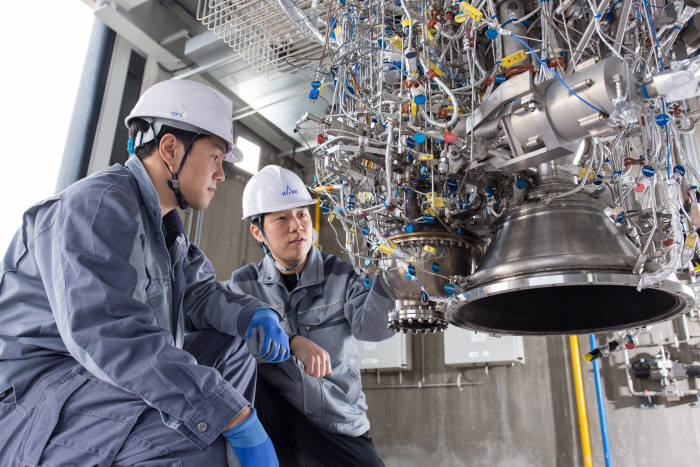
15	420
91	425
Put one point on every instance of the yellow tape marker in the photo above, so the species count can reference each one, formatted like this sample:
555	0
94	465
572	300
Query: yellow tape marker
397	42
386	249
338	31
460	18
429	249
426	157
513	58
582	172
691	240
437	201
406	22
414	109
475	14
435	68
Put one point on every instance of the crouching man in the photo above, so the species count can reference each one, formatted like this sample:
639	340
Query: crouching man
97	289
312	405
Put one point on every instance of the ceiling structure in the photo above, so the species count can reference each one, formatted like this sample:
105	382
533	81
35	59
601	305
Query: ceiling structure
169	32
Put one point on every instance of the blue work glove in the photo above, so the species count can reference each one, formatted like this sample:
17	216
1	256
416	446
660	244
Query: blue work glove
251	443
266	340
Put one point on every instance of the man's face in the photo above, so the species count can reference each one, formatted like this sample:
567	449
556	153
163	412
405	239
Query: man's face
289	234
203	169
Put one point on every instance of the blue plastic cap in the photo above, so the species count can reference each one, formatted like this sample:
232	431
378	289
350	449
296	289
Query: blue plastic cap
419	137
419	99
662	119
411	54
411	269
500	79
428	218
409	228
521	184
648	170
491	33
449	289
313	94
368	282
435	266
679	169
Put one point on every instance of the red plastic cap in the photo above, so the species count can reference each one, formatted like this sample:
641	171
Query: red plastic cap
668	242
320	139
449	137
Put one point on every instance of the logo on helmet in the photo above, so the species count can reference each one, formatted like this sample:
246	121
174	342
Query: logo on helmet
289	191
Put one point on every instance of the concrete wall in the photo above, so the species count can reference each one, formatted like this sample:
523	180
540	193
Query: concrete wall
526	415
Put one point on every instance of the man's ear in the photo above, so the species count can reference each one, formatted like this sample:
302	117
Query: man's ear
169	151
257	234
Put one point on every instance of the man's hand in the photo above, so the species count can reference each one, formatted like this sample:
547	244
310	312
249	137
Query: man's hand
317	362
265	338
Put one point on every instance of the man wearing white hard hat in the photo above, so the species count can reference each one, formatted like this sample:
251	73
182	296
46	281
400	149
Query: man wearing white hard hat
312	405
97	290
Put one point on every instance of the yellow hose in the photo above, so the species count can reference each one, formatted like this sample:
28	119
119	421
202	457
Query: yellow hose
317	222
581	402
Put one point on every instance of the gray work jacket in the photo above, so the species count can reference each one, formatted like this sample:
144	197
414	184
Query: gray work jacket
332	306
89	276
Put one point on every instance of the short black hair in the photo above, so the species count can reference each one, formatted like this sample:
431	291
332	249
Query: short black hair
140	125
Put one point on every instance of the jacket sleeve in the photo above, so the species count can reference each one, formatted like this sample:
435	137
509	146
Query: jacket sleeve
366	308
210	304
89	261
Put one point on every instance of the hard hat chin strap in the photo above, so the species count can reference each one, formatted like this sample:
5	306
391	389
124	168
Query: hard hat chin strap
174	183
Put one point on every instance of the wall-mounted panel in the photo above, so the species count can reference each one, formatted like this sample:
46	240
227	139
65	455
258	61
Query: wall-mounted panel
470	348
391	354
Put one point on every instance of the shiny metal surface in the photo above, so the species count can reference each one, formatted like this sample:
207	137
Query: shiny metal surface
416	317
560	268
452	254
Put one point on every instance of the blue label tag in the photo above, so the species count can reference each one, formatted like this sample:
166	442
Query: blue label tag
449	289
662	119
435	266
648	170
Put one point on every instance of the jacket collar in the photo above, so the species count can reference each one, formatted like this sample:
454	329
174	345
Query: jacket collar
311	275
146	188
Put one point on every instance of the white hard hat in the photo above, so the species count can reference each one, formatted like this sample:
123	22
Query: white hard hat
190	106
274	189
